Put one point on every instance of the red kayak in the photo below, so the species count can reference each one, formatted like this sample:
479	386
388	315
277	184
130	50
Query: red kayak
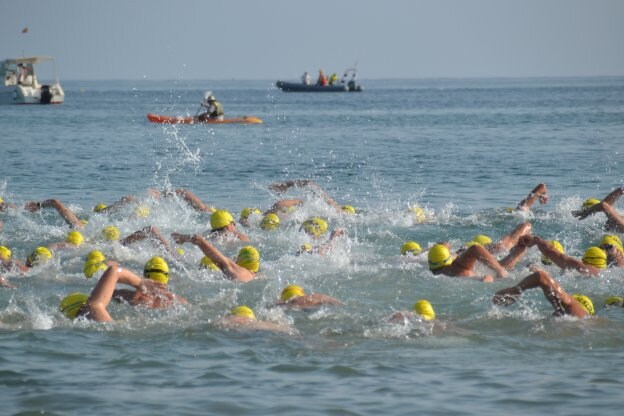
155	118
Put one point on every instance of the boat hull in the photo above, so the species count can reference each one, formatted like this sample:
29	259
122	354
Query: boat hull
299	87
19	94
162	119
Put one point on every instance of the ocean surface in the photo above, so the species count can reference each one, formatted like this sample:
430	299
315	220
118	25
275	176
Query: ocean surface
463	150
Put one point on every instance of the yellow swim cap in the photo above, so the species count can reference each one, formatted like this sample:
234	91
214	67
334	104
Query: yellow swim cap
99	207
348	209
270	221
207	263
180	251
157	269
418	214
220	218
246	212
315	226
83	221
92	266
70	305
291	291
243	310
95	255
481	239
5	253
557	246
424	309
596	257
142	211
75	238
613	240
411	247
614	301
590	202
111	233
249	258
439	256
585	302
39	256
1	201
305	248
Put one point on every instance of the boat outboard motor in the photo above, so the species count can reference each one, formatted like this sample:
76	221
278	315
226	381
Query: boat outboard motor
46	95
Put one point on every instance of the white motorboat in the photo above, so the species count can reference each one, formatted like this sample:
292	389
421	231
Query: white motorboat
21	86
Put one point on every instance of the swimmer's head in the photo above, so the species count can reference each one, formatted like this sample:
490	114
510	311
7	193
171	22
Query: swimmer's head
92	266
348	209
418	214
74	238
424	309
70	305
590	202
5	253
612	240
557	246
614	301
585	302
411	247
305	248
220	219
290	292
249	258
39	256
99	207
315	226
595	256
111	233
142	211
157	269
481	239
439	256
207	263
246	212
270	221
243	310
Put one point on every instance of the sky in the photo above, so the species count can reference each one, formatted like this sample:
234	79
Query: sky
279	39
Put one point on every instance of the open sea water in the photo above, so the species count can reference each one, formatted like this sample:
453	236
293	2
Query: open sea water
463	150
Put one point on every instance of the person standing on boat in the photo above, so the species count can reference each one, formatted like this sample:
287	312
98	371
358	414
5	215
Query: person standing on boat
22	73
214	109
333	79
306	79
322	79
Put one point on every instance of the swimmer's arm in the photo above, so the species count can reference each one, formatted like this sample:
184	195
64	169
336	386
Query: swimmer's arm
540	192
562	260
613	196
63	211
284	204
323	249
5	283
193	200
150	232
282	187
103	291
222	261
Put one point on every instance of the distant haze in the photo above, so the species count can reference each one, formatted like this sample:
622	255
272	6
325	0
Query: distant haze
271	39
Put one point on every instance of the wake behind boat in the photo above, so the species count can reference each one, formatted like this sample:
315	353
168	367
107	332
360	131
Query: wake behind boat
21	86
163	119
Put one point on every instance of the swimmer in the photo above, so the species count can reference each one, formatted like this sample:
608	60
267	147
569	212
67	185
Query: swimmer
294	297
116	206
576	305
615	221
322	249
245	215
243	318
441	261
73	240
422	310
189	197
612	245
150	291
223	225
243	269
593	262
69	217
507	242
539	192
281	187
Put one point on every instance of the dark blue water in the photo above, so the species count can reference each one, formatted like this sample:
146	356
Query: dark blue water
460	149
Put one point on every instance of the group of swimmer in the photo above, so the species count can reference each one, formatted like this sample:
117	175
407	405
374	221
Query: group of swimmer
151	290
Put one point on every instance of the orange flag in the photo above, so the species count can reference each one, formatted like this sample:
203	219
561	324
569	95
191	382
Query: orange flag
25	30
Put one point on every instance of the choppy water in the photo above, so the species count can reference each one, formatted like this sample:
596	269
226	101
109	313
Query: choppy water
462	149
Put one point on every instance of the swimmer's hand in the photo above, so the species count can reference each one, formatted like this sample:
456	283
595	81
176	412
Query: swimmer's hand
580	214
507	296
181	238
32	206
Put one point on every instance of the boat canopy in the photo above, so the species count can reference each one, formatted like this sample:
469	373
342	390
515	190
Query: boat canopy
29	60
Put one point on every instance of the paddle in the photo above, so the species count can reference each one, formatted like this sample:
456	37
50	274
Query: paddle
201	104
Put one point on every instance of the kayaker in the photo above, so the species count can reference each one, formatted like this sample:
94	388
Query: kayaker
214	109
306	79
